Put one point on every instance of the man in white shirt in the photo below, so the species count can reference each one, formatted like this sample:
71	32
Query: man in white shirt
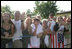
17	43
37	31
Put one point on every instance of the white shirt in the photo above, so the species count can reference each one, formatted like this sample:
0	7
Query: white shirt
61	27
52	24
39	28
18	32
46	40
35	42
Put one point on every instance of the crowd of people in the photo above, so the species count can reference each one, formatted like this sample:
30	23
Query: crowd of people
28	32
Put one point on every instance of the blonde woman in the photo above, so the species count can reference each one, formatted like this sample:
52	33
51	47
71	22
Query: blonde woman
45	38
27	32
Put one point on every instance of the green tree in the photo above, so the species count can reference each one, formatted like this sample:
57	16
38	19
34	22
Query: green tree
31	13
45	8
8	10
28	11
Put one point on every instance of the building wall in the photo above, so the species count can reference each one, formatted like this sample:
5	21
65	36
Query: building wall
63	14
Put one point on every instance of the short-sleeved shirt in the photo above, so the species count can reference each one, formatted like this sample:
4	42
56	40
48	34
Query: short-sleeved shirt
39	29
35	41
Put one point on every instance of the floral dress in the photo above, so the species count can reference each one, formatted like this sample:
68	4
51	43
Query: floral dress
61	34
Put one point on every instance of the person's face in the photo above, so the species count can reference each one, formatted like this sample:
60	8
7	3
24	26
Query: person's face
28	21
28	17
36	22
22	17
17	15
54	19
6	17
50	16
61	21
44	23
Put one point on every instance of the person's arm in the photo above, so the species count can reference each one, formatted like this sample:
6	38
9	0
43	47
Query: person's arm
39	35
2	36
34	33
22	25
6	34
48	31
30	29
12	30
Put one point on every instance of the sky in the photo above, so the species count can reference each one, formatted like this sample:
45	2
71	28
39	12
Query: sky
22	6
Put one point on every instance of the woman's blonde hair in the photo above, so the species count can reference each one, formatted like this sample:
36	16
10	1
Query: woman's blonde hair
27	19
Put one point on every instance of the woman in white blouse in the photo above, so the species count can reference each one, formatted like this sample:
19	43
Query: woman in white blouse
36	32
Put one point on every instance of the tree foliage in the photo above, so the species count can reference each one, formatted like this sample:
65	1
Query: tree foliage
8	10
45	8
28	11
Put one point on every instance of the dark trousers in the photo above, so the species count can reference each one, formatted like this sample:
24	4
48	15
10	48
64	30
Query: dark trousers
4	42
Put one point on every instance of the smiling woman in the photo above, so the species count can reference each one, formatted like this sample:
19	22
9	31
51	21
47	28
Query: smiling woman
7	30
